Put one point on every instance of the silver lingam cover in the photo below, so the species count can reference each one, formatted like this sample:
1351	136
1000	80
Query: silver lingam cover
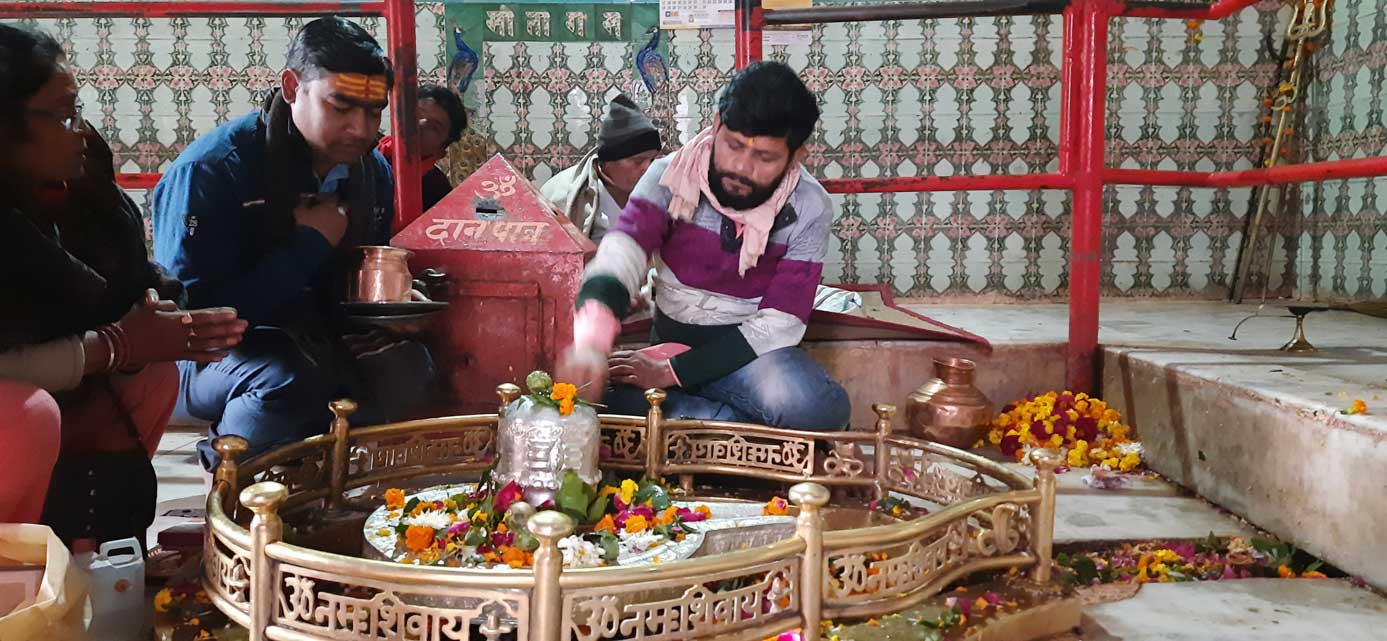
535	445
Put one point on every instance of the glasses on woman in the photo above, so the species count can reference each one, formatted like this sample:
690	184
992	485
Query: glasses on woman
70	120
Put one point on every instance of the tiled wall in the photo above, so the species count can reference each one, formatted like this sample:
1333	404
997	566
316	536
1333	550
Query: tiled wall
899	98
1342	248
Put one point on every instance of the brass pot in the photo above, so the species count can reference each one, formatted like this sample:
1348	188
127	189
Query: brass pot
949	409
384	275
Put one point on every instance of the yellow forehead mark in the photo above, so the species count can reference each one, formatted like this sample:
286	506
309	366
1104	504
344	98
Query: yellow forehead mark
361	86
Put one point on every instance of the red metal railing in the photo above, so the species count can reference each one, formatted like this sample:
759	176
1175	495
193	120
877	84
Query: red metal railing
1081	138
399	17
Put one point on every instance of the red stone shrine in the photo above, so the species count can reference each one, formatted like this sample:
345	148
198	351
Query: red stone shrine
513	267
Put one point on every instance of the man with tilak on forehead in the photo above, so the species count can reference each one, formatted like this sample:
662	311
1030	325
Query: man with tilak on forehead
266	214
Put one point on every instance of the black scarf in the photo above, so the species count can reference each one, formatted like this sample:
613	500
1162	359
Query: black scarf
288	173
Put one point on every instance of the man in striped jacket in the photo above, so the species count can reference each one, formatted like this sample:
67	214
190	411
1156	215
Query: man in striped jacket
737	231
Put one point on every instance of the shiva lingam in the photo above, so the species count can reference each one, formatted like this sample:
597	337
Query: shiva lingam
949	409
536	443
1298	343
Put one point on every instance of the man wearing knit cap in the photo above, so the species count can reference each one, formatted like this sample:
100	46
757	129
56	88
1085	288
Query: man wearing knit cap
593	192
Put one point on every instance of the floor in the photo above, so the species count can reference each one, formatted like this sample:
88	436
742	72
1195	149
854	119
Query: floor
1353	364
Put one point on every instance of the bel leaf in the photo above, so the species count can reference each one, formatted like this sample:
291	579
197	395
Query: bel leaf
572	497
598	508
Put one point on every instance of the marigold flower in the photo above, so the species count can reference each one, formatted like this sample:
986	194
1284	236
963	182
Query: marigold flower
1358	407
514	556
1285	572
1313	574
667	517
1129	462
776	507
163	600
418	538
703	509
395	498
563	391
566	407
636	524
627	491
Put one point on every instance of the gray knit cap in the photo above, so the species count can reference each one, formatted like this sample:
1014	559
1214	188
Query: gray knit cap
625	131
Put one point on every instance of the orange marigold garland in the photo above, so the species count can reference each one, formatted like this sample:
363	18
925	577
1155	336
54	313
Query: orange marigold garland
1083	428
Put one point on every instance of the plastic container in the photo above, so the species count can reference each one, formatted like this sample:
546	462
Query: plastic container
116	575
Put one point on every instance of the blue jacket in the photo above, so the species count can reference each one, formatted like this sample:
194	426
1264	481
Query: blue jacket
210	233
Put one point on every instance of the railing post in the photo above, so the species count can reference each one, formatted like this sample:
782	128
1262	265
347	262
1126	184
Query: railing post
229	449
508	393
809	526
654	433
266	527
342	409
885	412
1043	520
546	602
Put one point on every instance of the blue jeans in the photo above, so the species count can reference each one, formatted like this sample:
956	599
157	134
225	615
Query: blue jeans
272	390
783	388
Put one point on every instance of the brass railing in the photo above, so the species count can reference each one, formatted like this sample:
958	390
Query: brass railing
992	518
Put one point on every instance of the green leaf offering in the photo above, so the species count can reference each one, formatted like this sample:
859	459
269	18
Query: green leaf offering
574	496
474	537
652	492
526	541
1085	569
598	509
611	547
409	507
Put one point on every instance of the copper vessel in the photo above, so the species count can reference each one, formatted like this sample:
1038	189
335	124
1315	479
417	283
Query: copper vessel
384	275
949	409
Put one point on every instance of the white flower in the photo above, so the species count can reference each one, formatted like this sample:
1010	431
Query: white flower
641	541
1132	447
578	553
431	519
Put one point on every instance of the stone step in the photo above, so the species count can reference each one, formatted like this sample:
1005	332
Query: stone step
1243	610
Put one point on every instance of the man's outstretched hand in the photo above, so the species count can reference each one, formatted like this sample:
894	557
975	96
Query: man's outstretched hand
585	367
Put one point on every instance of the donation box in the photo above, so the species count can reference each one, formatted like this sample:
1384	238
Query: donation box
513	266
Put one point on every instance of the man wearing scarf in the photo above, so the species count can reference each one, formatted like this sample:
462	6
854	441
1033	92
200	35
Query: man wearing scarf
442	119
265	214
738	231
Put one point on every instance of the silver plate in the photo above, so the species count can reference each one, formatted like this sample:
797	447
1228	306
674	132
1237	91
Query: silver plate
734	525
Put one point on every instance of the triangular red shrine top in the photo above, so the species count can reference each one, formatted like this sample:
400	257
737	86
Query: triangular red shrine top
494	209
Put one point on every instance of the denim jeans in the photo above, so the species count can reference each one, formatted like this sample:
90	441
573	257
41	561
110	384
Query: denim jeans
270	391
783	388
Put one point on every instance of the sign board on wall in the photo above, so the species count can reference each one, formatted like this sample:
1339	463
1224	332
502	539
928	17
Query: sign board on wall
719	14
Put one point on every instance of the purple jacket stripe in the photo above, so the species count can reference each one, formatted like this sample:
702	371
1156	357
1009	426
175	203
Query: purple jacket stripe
793	288
644	221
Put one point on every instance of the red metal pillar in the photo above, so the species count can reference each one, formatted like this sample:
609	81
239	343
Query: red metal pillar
1086	219
748	23
399	19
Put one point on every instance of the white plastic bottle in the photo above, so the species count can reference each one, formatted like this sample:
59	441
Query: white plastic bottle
116	572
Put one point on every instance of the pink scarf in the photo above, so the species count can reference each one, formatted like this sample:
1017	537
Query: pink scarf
687	179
